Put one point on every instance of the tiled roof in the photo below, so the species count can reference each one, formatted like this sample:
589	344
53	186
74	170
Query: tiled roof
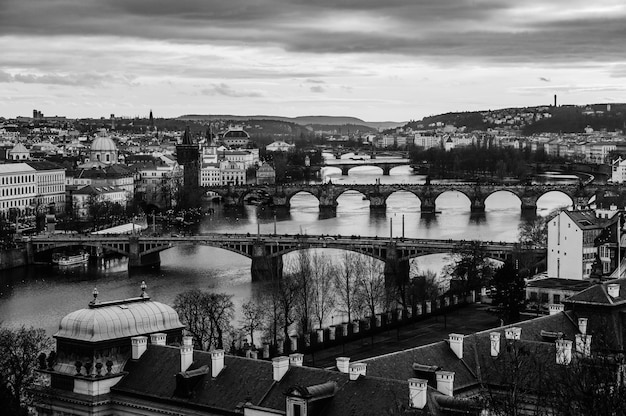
586	220
599	295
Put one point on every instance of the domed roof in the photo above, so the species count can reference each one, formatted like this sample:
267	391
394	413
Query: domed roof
103	144
118	319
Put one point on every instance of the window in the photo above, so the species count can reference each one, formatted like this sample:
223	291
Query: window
297	410
544	298
556	298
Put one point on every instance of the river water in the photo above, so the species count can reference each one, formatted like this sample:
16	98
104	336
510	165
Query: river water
40	296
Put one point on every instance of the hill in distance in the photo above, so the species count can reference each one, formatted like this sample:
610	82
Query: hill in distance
302	120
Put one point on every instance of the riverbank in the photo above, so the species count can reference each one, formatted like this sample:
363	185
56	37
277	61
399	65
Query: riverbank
11	258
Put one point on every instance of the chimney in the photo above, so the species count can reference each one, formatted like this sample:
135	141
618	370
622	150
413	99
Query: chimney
514	332
217	362
456	345
613	290
417	393
280	365
445	382
495	343
563	351
186	353
158	339
139	346
357	369
556	308
295	359
582	325
583	344
343	364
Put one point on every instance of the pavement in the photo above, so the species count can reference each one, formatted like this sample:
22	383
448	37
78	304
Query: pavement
465	320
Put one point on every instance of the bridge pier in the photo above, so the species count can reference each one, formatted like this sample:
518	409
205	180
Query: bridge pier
265	268
529	209
136	259
428	206
386	170
377	201
396	270
477	205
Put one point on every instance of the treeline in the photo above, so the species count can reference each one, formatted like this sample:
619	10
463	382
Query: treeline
473	161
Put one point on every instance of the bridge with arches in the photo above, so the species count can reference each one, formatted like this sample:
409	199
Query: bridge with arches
377	194
267	250
386	164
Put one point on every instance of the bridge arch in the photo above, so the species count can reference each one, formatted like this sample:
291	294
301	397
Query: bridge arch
507	192
356	169
301	192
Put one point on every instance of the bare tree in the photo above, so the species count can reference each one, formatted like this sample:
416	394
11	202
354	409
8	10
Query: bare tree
207	316
346	284
372	292
253	317
19	350
322	276
302	272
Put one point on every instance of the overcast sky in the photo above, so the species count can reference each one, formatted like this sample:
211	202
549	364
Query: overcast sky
374	59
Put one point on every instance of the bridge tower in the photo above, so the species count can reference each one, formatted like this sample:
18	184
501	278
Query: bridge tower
188	155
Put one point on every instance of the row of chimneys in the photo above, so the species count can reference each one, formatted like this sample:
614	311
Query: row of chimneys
563	347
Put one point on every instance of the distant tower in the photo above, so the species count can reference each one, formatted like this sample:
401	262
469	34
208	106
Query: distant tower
151	121
555	100
112	121
188	155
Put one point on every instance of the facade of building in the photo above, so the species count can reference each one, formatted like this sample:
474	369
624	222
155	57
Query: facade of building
50	179
233	173
103	150
571	239
235	137
210	175
157	182
618	170
280	146
18	189
83	198
188	156
265	175
19	152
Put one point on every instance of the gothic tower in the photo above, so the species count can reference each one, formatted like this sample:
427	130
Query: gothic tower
188	155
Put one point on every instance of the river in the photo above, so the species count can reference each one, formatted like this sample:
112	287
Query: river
40	296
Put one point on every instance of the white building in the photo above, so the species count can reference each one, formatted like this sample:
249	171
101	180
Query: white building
84	197
233	173
236	136
19	152
571	249
618	170
210	175
50	186
280	146
18	188
248	158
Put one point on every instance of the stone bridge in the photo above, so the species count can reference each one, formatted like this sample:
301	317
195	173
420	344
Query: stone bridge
266	250
385	164
377	194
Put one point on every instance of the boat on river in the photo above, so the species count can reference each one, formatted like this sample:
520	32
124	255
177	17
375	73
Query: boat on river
72	259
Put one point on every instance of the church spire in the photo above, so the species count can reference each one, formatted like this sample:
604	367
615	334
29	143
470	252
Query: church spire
187	136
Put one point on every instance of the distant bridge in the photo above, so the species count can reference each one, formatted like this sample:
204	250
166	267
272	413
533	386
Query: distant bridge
386	164
266	250
377	194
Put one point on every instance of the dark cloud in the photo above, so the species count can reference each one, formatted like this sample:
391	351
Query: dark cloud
544	79
226	90
437	29
317	89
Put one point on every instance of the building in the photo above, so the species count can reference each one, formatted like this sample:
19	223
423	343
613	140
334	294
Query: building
280	146
157	182
129	358
19	153
233	173
188	156
571	249
618	170
83	198
18	190
210	175
50	185
103	151
266	175
235	137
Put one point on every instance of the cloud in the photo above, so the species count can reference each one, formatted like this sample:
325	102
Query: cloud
544	79
227	91
82	79
492	30
317	89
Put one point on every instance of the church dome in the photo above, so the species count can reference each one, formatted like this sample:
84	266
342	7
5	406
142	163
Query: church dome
103	144
119	319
